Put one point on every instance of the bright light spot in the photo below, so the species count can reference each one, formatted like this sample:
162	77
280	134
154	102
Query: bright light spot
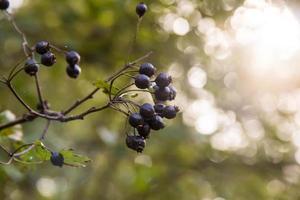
271	34
107	136
46	187
143	160
205	25
231	138
14	5
207	123
185	8
181	26
197	77
254	129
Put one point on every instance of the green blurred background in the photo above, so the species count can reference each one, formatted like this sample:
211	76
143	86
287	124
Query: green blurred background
235	139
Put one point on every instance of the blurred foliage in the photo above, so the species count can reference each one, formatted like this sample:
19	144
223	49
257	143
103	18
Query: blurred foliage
178	163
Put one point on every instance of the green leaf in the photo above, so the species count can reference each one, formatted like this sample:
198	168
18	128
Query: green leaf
15	132
36	154
105	86
73	159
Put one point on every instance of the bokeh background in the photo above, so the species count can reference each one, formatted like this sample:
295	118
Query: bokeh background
236	66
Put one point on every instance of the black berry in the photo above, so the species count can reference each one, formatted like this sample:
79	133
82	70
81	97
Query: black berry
141	9
136	143
170	112
48	59
156	123
162	94
147	69
147	110
72	57
144	130
159	109
42	47
135	119
31	67
163	80
142	81
173	93
73	71
57	159
4	4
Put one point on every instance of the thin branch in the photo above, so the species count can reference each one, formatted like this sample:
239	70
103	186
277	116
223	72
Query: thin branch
18	97
38	88
26	48
79	102
128	65
45	130
21	120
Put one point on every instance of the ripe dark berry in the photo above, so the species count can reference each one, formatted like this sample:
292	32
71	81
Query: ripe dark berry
163	80
135	119
42	47
173	93
156	123
147	69
144	130
162	94
142	81
48	59
136	143
147	111
141	9
31	67
57	159
72	57
170	112
159	108
4	4
73	71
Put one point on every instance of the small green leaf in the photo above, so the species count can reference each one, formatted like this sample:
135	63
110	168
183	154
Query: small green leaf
105	86
15	132
73	159
36	154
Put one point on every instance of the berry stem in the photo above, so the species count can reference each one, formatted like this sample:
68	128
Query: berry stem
79	102
38	88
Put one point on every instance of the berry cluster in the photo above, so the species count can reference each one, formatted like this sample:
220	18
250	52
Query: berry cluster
150	117
49	59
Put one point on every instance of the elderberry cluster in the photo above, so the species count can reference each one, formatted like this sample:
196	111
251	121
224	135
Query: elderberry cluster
48	59
150	117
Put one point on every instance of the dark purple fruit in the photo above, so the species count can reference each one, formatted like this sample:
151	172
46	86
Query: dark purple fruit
147	69
162	94
4	4
163	80
156	123
72	57
144	130
170	112
57	159
159	108
73	71
42	47
141	9
136	143
135	119
31	67
173	93
142	81
48	59
147	111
